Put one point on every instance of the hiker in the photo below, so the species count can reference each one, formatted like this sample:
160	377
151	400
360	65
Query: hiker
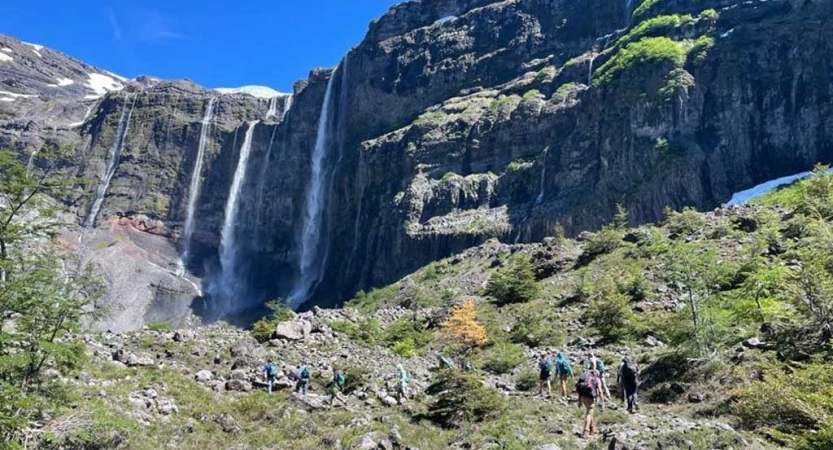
403	380
597	364
336	386
303	376
445	362
545	368
628	380
588	388
271	372
563	370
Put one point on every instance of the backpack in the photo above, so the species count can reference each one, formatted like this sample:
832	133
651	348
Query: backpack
545	366
629	370
305	373
271	370
340	380
586	385
563	367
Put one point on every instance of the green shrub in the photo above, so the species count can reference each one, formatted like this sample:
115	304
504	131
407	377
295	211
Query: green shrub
535	329
407	337
685	222
653	27
449	176
516	165
643	53
545	75
700	49
434	117
527	380
709	14
366	331
369	302
356	378
159	326
566	88
603	242
644	8
793	406
610	314
502	357
462	397
514	283
531	94
264	329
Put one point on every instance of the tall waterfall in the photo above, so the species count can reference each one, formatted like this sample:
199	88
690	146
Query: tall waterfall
310	238
540	198
287	105
115	155
228	244
196	182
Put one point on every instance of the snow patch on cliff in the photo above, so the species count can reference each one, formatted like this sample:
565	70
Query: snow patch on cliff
5	58
102	84
254	91
35	48
62	82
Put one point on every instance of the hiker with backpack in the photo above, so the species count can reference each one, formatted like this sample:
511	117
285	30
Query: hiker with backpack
597	364
563	370
588	388
628	380
271	372
403	380
303	375
546	369
336	386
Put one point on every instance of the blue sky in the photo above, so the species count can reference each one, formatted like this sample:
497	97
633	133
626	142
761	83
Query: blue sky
214	43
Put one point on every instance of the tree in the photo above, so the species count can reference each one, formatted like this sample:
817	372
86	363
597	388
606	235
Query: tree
462	397
695	269
514	283
42	297
462	327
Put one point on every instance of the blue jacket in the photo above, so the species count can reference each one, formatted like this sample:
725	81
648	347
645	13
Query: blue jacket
562	365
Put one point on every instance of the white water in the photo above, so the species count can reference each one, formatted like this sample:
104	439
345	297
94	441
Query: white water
86	116
628	12
115	154
590	70
273	108
540	198
228	246
311	231
196	183
287	105
748	195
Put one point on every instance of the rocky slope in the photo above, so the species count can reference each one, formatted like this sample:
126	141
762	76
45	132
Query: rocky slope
454	122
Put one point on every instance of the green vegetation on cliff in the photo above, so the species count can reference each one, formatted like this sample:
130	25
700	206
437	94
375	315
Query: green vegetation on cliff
643	53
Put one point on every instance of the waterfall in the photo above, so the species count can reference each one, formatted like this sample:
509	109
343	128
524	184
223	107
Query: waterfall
287	105
273	108
228	245
261	185
115	154
590	71
196	181
628	12
310	238
540	198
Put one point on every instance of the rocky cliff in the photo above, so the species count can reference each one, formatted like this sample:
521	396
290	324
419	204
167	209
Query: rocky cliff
452	122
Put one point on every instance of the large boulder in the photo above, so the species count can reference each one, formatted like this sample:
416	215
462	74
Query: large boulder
297	330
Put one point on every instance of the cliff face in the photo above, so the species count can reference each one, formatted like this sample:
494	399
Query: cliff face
457	121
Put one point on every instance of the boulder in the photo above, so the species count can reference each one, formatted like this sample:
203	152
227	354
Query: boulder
297	330
695	397
238	386
183	335
132	360
228	424
204	376
367	442
548	447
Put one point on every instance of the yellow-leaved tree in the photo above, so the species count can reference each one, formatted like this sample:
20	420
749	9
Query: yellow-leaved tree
462	327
